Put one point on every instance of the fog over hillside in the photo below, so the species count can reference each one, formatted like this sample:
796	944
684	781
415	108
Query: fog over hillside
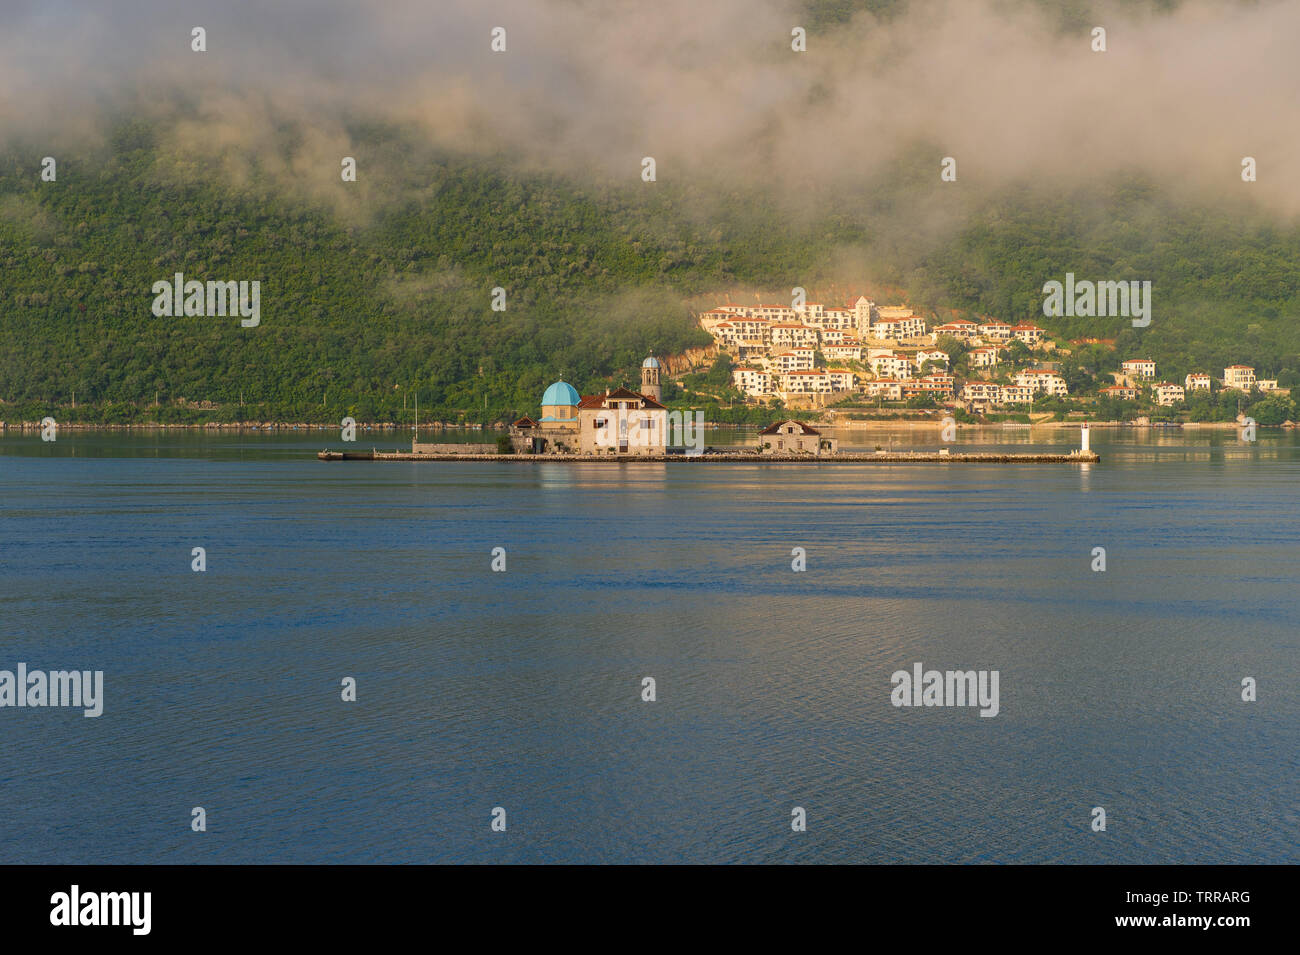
522	170
713	91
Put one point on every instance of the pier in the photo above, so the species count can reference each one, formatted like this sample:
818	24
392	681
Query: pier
474	452
729	457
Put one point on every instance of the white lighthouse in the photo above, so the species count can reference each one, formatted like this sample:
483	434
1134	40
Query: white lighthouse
1083	437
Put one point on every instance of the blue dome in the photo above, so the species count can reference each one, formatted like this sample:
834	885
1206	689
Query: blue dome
560	393
651	362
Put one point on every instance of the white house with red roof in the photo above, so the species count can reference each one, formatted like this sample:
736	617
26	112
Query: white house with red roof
814	382
1167	393
1027	333
890	389
1139	367
962	330
899	328
1042	381
796	359
843	352
1016	395
754	382
891	365
934	355
938	385
1241	377
792	334
1119	392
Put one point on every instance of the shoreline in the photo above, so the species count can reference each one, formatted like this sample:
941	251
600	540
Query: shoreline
878	425
234	426
848	425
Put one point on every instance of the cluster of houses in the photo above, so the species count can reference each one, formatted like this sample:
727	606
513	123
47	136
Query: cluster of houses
1141	372
887	352
625	422
1026	385
776	348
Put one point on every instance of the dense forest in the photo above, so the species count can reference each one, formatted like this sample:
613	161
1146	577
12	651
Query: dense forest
370	297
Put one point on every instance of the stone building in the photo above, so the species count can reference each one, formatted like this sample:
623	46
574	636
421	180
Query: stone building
794	437
620	421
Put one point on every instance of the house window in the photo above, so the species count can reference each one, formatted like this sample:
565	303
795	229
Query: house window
646	424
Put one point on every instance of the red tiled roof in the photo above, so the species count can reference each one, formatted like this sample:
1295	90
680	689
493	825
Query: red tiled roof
803	428
620	394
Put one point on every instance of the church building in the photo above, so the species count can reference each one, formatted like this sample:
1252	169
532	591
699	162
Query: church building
620	421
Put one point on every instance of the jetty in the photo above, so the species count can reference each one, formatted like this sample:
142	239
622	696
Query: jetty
820	450
730	457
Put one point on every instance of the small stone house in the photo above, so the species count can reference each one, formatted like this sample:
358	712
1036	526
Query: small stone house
794	437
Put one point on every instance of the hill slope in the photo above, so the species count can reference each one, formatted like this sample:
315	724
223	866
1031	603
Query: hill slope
368	295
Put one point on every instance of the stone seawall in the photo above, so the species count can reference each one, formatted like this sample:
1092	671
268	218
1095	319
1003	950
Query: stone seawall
438	450
723	457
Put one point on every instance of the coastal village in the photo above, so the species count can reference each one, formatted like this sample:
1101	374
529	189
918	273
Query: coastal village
812	355
621	423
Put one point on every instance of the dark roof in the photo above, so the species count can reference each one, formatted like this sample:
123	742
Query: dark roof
525	422
620	394
803	428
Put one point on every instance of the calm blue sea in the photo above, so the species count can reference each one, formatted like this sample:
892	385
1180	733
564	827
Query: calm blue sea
522	690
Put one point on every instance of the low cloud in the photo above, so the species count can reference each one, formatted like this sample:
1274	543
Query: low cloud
712	91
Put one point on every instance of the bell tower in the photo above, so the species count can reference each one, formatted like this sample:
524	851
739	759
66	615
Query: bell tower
650	379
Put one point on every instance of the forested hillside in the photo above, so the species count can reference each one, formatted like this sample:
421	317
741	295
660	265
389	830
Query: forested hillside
368	296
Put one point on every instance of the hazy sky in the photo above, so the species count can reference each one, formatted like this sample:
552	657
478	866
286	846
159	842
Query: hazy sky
710	89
